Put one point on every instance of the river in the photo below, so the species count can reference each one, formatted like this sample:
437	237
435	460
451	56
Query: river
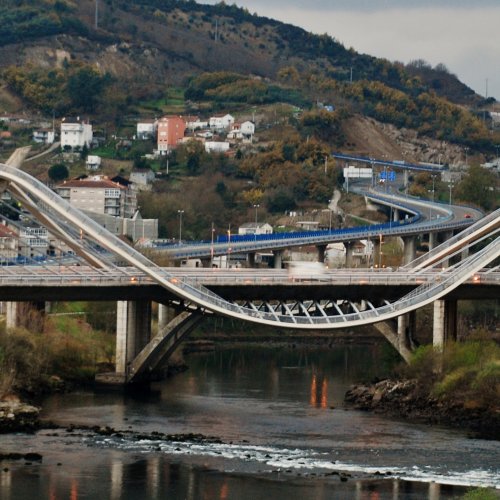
282	431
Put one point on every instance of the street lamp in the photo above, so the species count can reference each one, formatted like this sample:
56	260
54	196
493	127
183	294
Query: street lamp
330	210
256	207
229	247
450	185
432	191
180	212
212	245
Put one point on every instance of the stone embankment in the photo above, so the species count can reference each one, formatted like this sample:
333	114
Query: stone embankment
16	416
406	399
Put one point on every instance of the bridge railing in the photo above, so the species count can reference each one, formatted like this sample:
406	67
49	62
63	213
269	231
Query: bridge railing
464	234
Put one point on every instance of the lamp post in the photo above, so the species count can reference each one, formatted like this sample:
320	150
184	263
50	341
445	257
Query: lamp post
432	191
256	208
229	247
180	212
326	164
450	185
212	246
330	216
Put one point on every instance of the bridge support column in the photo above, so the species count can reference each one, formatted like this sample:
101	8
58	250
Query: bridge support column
349	251
11	316
251	259
445	322
406	330
432	240
395	216
133	331
278	258
165	315
321	253
464	253
410	249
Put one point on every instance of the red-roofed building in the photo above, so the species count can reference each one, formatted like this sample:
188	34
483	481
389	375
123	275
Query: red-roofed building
98	194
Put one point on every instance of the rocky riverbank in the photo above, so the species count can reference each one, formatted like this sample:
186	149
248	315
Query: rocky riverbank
16	416
406	399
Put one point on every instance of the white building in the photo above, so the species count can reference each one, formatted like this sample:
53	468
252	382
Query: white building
142	179
221	122
44	136
216	147
255	228
93	162
146	129
76	134
194	123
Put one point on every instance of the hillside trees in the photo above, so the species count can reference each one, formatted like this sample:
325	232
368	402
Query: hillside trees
480	187
225	88
77	87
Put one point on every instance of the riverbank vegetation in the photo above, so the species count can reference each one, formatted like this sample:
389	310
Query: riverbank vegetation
459	387
52	352
466	372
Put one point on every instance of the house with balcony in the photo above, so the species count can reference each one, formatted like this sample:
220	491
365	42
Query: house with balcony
76	133
44	136
146	129
194	123
95	194
221	122
242	131
93	162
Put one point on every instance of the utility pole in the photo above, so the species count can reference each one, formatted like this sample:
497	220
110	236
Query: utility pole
96	14
180	212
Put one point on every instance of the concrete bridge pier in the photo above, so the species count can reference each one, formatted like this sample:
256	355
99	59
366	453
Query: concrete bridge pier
349	254
407	325
321	252
251	259
410	249
377	252
444	323
11	316
278	258
433	240
133	331
27	314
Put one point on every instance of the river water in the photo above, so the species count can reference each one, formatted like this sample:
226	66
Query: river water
283	430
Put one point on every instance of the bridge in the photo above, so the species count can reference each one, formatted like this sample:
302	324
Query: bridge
410	217
138	354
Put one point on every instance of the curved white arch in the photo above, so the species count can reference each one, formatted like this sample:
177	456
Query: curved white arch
207	300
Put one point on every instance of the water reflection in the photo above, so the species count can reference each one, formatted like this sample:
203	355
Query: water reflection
319	392
158	478
272	408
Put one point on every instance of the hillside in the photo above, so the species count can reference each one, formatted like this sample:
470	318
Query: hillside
160	42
